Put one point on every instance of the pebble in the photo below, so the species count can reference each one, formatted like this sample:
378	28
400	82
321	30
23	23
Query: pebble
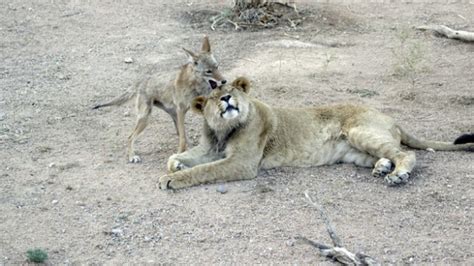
55	201
117	231
128	60
221	189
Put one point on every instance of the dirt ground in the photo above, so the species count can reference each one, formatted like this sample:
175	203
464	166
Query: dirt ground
66	187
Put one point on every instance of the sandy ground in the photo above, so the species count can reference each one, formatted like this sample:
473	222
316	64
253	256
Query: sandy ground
65	185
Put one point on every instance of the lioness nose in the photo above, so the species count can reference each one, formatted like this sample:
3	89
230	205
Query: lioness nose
225	98
223	82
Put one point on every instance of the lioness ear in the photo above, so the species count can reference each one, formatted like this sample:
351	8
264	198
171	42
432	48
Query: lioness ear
242	83
198	104
206	46
192	56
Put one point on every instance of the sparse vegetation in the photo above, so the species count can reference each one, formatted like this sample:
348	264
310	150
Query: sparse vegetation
364	93
409	57
257	14
36	255
329	58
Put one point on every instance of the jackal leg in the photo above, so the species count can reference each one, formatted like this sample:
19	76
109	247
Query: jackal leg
181	132
143	112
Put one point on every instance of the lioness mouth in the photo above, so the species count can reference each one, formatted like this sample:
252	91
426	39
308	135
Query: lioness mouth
212	83
229	108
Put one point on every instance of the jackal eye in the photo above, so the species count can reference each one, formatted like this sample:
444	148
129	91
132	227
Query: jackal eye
208	71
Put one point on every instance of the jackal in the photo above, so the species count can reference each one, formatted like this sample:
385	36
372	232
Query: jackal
197	77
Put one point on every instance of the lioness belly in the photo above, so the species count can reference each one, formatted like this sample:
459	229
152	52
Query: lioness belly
311	155
310	137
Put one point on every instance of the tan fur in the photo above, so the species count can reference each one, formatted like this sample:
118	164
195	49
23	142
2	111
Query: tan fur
174	97
260	136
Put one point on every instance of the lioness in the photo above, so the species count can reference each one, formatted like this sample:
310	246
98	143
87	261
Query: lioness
242	134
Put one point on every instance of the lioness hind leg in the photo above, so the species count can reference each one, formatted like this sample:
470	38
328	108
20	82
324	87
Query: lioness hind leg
404	164
382	144
382	167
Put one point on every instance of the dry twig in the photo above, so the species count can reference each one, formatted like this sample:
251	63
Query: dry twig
449	33
337	252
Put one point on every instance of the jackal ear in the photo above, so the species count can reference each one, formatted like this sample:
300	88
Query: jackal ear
206	46
192	56
198	104
242	83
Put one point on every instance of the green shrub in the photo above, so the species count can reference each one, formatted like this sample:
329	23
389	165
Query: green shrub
36	255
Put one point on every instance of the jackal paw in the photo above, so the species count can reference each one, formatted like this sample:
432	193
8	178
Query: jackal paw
394	179
135	159
382	167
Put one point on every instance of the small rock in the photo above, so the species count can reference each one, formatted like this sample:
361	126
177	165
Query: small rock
117	231
430	150
52	165
54	202
128	60
126	114
147	239
221	189
2	116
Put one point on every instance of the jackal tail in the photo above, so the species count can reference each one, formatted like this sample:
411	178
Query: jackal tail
123	98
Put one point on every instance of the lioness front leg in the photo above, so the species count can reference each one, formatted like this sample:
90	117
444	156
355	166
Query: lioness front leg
198	155
221	170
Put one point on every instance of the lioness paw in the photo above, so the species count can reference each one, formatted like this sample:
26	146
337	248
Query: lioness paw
173	181
175	166
382	167
394	179
164	182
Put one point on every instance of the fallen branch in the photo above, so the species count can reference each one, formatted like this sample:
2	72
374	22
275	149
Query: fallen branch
449	33
215	21
338	252
237	27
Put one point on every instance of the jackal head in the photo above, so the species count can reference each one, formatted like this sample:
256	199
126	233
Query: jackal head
206	66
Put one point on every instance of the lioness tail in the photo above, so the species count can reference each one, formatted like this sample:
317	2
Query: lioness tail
463	143
125	97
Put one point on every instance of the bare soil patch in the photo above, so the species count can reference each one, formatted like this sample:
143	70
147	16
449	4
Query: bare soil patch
66	186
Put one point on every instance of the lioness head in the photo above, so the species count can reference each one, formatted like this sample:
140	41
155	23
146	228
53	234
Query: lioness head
226	106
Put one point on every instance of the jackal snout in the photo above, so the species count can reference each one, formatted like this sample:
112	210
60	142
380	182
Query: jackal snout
206	65
215	79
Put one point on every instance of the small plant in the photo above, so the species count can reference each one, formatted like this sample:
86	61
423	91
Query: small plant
408	58
36	255
328	58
